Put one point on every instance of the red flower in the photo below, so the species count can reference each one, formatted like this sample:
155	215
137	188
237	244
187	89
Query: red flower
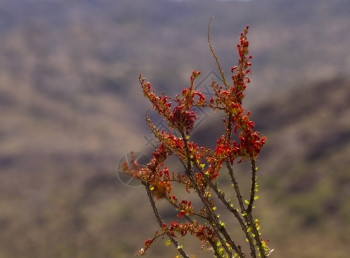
183	119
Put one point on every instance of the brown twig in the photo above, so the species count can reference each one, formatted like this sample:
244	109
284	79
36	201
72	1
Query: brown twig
160	220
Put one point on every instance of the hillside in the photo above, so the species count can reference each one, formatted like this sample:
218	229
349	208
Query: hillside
71	108
305	169
75	206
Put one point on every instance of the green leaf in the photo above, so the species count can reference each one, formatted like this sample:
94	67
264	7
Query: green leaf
168	242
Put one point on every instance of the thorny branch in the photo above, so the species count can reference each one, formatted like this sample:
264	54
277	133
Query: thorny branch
202	165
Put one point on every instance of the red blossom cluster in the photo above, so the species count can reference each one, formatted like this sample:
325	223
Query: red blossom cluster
202	165
181	117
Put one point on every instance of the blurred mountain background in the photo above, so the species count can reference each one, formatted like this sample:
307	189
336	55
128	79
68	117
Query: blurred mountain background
71	108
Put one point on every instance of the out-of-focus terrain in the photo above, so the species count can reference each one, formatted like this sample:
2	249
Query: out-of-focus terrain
71	107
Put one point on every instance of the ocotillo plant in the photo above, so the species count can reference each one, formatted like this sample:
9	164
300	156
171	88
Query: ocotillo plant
202	166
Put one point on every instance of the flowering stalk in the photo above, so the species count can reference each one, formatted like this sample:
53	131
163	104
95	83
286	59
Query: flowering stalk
202	165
